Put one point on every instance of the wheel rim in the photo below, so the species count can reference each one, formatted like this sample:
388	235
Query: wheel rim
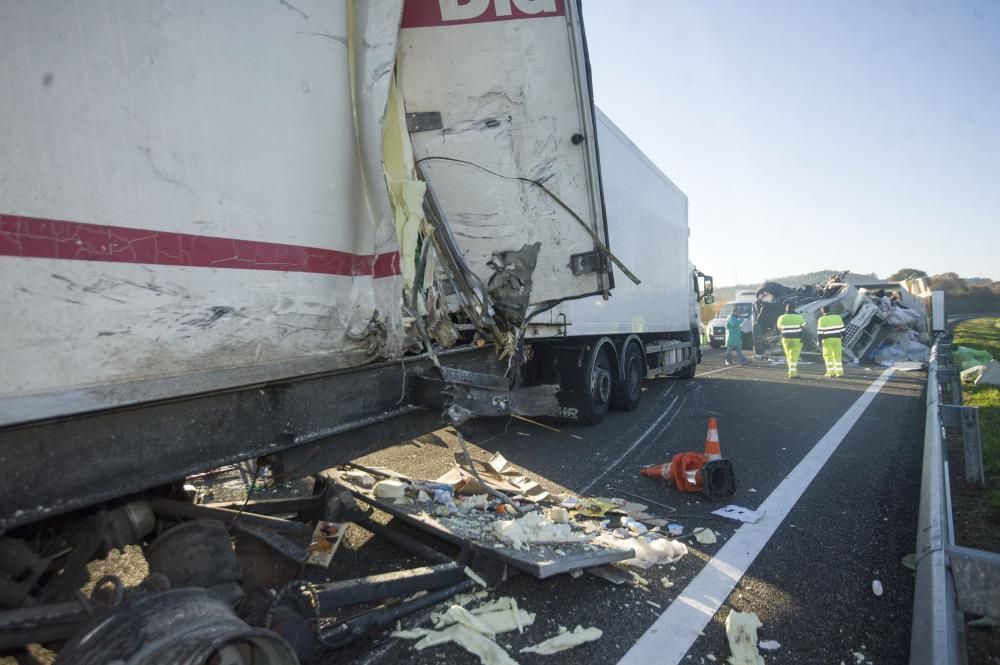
600	390
632	378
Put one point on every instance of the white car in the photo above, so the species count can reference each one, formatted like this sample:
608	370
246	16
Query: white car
715	330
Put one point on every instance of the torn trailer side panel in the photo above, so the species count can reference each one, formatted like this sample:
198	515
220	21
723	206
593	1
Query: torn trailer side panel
191	194
507	141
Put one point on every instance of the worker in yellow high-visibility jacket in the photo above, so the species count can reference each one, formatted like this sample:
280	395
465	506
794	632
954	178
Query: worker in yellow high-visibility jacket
830	331
791	325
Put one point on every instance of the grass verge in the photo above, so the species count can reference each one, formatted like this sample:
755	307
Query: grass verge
984	335
977	513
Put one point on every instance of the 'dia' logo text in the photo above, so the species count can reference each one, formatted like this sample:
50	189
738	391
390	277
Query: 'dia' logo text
459	10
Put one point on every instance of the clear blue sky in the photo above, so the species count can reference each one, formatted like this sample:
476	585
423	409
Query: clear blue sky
811	135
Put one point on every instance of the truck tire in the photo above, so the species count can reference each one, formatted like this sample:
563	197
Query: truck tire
596	391
627	392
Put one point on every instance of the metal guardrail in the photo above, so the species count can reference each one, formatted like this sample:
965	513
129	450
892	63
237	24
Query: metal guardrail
950	580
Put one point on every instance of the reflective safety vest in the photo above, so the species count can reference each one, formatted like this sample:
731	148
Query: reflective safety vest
830	326
791	326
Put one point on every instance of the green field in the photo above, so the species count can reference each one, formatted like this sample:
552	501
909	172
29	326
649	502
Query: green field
984	335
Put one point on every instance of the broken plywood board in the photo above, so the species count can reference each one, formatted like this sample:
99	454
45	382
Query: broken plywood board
540	561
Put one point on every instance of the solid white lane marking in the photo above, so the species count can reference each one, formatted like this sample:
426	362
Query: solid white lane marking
680	625
625	454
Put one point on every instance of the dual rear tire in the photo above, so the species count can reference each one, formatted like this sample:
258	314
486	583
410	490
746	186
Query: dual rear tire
595	387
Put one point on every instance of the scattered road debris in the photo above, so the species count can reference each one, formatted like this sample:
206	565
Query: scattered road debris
990	375
471	574
907	366
534	529
564	640
705	536
877	587
646	500
389	489
769	645
612	574
488	651
741	631
360	478
552	534
649	550
739	514
325	541
474	630
985	622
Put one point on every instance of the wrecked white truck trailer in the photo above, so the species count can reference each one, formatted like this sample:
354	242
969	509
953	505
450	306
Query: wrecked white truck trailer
251	229
884	322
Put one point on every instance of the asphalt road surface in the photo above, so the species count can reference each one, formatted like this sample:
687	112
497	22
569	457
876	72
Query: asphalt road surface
834	463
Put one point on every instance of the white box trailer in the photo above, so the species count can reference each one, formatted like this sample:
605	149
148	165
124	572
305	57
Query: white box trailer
245	229
645	328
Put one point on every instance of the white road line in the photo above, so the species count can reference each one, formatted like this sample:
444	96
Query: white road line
625	454
677	629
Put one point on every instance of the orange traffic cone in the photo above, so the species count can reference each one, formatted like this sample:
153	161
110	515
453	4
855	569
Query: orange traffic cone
656	470
712	450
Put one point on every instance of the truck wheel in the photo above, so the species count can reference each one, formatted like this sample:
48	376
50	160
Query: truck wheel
626	393
598	385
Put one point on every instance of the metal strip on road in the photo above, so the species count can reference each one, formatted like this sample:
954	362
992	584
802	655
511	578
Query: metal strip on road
676	630
716	371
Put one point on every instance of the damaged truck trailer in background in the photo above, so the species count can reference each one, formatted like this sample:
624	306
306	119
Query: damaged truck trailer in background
250	230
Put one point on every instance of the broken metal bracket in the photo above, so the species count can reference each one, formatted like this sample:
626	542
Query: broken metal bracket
423	121
274	541
589	262
977	580
463	395
194	512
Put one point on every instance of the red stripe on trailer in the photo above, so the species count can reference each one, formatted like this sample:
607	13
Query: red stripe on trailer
437	13
32	237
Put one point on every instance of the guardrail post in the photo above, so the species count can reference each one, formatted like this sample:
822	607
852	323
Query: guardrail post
977	580
967	417
972	446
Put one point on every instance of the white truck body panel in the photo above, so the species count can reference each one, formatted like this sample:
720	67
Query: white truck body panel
648	230
509	82
182	188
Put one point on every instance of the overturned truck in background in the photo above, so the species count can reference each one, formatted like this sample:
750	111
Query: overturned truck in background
884	321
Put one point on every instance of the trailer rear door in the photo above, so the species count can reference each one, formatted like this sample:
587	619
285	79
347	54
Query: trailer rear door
500	114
